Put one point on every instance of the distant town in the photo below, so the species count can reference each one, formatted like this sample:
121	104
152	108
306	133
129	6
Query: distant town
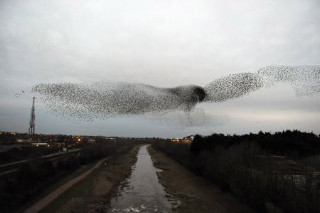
12	144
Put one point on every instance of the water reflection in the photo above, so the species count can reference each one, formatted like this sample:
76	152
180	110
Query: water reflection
142	191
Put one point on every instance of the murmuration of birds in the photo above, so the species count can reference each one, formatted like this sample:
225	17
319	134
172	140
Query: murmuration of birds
111	99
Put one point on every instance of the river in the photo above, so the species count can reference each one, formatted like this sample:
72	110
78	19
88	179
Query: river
142	191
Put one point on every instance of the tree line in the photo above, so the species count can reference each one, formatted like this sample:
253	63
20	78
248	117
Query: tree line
259	169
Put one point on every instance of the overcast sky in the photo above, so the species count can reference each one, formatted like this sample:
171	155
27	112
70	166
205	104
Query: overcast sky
161	43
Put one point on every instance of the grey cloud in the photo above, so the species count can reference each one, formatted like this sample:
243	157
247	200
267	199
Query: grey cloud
164	43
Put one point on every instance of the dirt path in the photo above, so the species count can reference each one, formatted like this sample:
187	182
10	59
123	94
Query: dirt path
195	194
53	195
92	194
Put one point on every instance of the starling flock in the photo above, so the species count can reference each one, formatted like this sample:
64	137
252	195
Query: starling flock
109	99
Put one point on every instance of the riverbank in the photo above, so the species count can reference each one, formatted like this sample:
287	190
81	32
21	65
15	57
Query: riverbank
93	192
195	194
56	193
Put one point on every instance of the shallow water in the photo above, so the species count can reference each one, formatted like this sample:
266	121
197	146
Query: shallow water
142	191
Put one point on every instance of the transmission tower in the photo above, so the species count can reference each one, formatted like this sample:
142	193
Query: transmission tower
32	118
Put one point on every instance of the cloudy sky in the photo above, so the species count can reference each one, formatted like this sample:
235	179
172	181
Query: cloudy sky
161	43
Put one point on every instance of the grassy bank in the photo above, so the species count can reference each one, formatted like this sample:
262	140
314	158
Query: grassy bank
93	192
259	173
191	193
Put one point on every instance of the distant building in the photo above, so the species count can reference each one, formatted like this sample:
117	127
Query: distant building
10	153
91	141
39	144
26	141
177	140
187	139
